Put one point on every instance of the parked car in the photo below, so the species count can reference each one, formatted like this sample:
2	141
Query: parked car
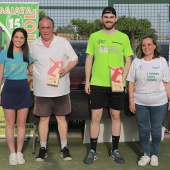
165	48
77	75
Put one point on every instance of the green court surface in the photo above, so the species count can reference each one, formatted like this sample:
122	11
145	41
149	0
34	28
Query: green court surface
130	151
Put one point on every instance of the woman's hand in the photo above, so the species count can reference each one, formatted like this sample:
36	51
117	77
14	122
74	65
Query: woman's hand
132	105
168	105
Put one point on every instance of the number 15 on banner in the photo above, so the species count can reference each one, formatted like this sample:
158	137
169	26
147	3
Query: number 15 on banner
14	21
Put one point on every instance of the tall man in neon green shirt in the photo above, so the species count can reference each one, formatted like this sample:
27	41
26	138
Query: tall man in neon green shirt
106	48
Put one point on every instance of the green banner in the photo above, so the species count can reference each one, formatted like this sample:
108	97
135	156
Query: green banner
13	15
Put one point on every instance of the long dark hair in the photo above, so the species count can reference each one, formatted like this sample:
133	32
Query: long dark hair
24	47
157	51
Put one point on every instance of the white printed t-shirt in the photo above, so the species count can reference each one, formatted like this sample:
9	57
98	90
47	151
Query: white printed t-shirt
149	76
59	49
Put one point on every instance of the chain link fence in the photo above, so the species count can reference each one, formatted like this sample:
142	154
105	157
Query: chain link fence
137	14
64	11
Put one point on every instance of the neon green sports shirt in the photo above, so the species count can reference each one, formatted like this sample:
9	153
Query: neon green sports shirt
108	50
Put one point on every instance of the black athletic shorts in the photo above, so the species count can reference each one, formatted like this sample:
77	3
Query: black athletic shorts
103	96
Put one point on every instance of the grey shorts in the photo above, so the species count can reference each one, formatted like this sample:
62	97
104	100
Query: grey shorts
59	106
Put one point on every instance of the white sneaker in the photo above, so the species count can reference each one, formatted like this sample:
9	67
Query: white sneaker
144	160
154	160
13	159
20	158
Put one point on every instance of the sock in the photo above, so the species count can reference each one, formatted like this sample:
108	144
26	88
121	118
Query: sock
93	142
63	143
43	144
115	142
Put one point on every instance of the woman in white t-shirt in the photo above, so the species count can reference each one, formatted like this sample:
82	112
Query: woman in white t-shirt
149	96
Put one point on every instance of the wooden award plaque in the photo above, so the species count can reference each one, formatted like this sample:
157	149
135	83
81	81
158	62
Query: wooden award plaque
53	73
116	79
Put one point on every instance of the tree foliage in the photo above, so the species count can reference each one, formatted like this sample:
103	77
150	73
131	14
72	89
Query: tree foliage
85	28
134	28
42	14
66	29
131	26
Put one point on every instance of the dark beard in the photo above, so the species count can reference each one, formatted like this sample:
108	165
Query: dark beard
106	28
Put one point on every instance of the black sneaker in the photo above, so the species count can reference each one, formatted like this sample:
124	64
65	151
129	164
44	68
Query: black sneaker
42	155
65	154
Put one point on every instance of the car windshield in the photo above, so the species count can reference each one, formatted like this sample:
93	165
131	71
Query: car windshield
81	53
165	51
80	49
